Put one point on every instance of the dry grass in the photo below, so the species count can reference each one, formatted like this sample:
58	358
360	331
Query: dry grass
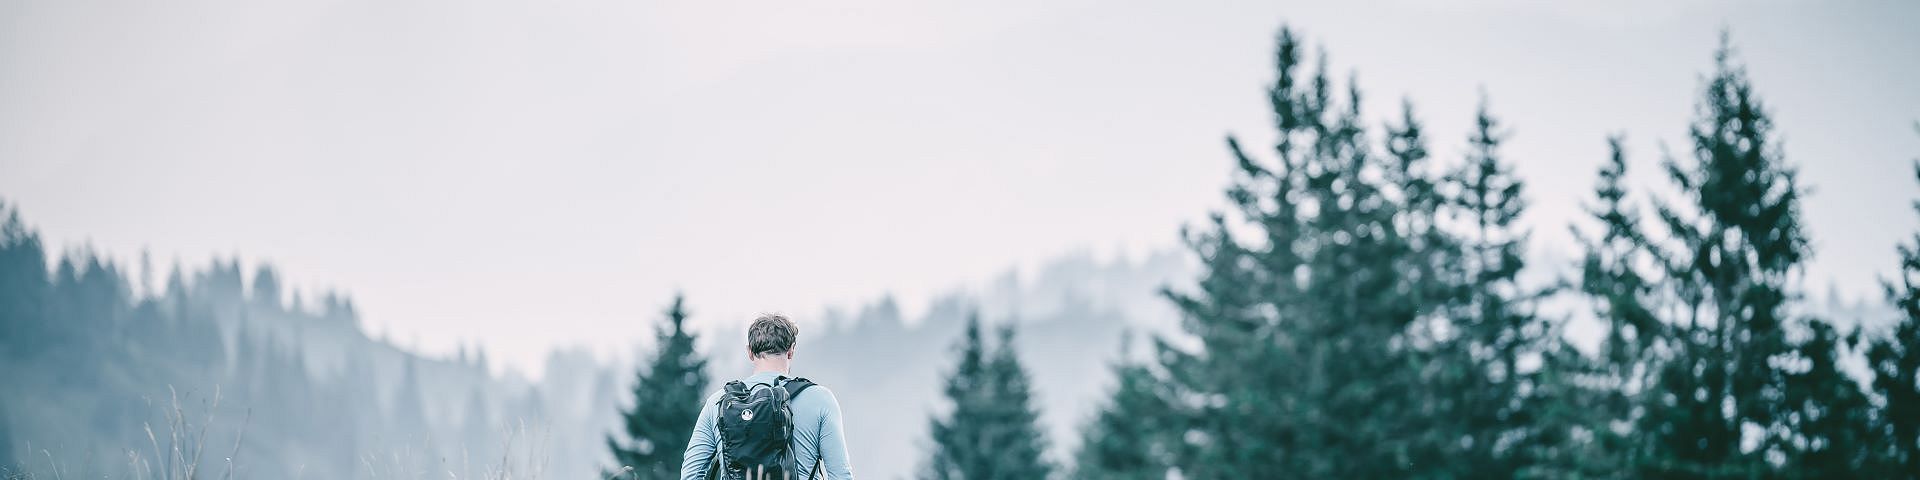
522	460
178	451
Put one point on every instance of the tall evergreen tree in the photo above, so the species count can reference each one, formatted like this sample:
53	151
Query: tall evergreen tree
1829	417
1304	362
1895	362
1511	418
1433	267
1485	344
24	290
1123	441
1610	274
993	431
667	399
1623	301
1729	400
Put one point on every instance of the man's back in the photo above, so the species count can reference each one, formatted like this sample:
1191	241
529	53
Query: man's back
816	434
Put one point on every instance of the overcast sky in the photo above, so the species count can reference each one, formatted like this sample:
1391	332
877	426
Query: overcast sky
528	174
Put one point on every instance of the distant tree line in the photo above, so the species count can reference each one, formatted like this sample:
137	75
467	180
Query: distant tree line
107	373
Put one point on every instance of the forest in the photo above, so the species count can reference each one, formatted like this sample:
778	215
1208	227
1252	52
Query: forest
1360	312
1362	306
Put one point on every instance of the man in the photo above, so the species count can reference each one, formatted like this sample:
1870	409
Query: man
816	446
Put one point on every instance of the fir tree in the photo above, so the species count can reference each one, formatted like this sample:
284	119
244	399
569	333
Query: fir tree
992	433
1827	413
955	450
1433	268
1304	364
1730	398
667	399
24	290
1484	347
1511	419
1231	309
1123	441
1895	362
1611	276
1624	303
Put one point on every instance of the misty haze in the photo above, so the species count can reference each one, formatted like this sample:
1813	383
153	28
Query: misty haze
535	240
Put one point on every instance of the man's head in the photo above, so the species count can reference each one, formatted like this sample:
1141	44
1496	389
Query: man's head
771	336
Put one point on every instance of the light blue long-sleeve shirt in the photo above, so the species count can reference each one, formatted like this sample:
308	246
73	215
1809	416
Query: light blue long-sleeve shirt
816	434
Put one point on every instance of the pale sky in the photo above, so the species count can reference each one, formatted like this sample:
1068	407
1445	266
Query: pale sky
530	174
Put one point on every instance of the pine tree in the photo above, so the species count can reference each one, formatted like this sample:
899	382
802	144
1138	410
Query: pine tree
1827	413
1432	268
1730	400
1231	311
1309	293
1513	419
1895	362
956	453
24	290
1610	274
992	433
1486	342
1123	441
1623	301
667	399
1434	286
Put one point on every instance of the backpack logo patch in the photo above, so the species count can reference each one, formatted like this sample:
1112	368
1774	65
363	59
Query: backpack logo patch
746	415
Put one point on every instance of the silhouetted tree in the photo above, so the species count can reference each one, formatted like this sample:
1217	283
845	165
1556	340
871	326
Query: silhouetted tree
667	394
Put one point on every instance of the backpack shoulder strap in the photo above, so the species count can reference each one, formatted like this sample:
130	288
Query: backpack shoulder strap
796	385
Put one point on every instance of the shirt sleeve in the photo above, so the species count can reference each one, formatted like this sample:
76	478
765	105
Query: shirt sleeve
700	448
833	444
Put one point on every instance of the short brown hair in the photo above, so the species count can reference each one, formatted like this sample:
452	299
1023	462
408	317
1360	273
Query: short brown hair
771	334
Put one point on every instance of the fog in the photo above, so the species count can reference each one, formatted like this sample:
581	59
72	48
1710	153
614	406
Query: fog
422	181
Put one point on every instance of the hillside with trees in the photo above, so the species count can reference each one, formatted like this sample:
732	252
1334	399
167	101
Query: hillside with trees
112	374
